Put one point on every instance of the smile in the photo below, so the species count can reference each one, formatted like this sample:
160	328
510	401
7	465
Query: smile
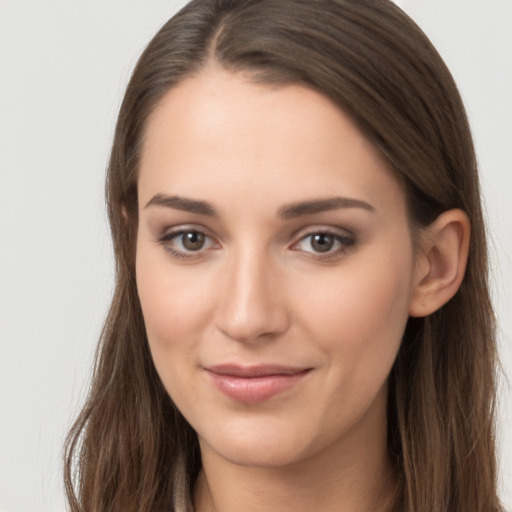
251	385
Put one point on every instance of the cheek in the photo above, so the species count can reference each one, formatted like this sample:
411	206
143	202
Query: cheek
359	313
173	305
356	320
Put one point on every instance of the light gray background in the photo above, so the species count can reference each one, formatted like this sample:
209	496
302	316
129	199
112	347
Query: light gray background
63	67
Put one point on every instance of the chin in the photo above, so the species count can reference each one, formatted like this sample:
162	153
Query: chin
267	444
251	455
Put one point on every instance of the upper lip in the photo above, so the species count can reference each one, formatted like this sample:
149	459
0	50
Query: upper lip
248	372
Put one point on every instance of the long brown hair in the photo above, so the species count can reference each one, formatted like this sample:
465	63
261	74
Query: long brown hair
130	448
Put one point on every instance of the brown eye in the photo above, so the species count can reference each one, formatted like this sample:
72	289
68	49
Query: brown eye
193	240
322	242
187	243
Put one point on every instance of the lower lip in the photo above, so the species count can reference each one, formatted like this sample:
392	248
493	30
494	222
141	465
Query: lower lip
252	390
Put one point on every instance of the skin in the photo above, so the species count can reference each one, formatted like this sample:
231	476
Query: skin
259	291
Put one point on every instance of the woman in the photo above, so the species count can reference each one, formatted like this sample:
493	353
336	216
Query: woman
301	318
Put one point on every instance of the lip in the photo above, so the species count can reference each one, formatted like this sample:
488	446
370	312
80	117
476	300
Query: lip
254	384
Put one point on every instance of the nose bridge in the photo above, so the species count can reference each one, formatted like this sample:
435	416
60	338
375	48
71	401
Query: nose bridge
251	306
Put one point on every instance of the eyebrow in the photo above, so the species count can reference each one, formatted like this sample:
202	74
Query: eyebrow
322	205
182	203
290	211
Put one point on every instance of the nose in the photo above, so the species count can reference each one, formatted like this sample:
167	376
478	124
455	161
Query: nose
251	304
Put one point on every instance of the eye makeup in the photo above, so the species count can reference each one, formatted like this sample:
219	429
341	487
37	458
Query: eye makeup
318	242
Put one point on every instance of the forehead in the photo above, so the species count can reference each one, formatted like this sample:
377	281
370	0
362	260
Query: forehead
220	131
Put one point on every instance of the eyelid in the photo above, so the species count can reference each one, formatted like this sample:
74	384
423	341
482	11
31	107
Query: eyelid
345	238
174	232
181	228
338	231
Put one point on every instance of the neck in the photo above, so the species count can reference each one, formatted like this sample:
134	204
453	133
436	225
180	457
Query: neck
355	475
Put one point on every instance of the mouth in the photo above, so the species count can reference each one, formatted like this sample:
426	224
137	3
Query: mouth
254	384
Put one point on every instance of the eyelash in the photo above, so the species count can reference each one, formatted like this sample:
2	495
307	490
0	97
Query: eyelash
167	239
344	242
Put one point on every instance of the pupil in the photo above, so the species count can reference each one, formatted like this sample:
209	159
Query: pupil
322	242
193	241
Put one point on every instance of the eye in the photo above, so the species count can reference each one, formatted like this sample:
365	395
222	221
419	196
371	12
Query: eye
192	240
187	243
324	243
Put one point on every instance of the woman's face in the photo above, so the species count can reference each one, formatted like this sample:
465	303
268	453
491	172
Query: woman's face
274	267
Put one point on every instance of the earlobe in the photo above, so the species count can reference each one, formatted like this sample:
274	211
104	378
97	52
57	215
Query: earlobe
441	262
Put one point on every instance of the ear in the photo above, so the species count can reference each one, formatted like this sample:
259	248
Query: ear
441	262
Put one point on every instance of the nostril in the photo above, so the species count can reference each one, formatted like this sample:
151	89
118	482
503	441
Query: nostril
251	304
246	320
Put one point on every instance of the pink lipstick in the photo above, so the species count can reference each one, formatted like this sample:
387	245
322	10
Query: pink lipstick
254	384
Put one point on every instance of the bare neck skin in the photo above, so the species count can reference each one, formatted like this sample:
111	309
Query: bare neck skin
355	475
